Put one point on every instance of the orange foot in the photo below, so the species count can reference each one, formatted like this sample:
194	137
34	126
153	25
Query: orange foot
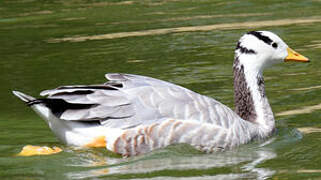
30	150
97	142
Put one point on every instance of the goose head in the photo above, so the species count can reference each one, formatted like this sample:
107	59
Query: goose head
257	50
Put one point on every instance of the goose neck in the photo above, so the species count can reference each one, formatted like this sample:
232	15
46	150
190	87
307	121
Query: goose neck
251	103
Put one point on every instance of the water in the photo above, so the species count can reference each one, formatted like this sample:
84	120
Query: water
45	44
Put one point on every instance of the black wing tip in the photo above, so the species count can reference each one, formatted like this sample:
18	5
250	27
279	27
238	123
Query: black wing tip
36	101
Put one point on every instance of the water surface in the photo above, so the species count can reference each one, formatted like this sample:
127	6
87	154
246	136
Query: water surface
45	44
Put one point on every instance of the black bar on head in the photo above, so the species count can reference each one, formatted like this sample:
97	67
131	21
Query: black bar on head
244	49
261	37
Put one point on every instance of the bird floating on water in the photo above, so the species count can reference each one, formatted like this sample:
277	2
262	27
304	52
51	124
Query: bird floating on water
131	114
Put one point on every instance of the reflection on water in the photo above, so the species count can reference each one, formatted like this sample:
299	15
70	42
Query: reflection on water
216	177
253	24
308	130
303	110
307	88
262	173
246	159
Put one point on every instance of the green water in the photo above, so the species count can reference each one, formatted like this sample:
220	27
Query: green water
33	57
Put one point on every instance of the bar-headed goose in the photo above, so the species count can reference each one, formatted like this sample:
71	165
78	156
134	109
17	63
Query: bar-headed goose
131	114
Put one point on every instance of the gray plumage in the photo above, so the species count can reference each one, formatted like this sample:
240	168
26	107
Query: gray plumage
131	100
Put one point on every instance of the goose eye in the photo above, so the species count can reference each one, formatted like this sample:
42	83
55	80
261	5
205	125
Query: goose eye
274	45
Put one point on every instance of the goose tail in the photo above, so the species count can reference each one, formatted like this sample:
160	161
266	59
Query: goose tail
36	104
24	97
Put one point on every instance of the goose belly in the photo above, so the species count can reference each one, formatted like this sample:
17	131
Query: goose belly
203	136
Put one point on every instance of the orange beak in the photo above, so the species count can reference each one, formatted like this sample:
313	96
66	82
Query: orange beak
294	56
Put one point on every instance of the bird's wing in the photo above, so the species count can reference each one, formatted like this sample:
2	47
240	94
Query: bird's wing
129	100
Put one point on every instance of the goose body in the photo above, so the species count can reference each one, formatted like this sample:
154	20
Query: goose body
132	114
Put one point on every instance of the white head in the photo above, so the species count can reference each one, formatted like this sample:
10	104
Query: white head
261	49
